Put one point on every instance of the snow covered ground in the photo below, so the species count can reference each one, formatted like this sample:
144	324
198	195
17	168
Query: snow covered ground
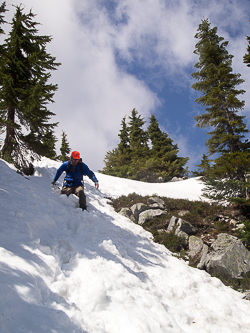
67	271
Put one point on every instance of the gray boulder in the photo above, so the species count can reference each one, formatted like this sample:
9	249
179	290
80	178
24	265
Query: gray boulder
156	206
181	228
178	225
195	245
175	179
186	227
182	234
156	202
137	209
149	214
204	253
172	223
229	257
198	251
126	212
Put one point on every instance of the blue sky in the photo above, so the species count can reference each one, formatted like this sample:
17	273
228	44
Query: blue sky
124	54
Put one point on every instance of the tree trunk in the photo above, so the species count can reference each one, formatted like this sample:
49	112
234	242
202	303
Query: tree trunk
10	131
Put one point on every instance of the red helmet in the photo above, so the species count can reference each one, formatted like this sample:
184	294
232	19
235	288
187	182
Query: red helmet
75	155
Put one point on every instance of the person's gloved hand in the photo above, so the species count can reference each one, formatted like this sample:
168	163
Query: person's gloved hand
53	183
97	186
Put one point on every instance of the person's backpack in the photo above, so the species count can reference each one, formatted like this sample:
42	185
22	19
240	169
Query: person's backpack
70	166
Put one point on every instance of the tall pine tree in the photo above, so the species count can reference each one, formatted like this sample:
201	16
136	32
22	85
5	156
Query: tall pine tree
246	58
124	145
123	153
138	138
117	161
25	69
219	94
2	21
164	163
220	98
203	167
64	149
48	148
112	166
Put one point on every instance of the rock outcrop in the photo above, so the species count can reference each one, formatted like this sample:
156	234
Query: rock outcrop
141	212
195	246
150	214
181	228
137	209
227	256
197	251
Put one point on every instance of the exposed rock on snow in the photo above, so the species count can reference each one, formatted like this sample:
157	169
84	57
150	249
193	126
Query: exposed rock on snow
195	246
137	209
178	225
141	213
228	258
150	214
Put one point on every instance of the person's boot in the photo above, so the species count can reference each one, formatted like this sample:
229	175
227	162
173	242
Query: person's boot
82	201
82	198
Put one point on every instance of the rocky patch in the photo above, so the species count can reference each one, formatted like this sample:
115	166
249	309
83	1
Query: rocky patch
224	255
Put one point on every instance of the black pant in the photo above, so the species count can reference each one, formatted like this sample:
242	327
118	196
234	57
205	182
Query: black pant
77	190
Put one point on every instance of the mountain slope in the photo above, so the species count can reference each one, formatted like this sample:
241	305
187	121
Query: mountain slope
63	270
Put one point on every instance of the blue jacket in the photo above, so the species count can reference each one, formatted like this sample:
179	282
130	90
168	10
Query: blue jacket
74	176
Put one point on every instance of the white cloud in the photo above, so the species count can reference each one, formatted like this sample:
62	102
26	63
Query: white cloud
94	94
95	91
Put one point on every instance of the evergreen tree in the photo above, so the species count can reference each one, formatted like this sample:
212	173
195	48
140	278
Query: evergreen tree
44	146
133	158
117	161
164	162
138	139
203	167
219	94
112	165
227	176
48	148
64	149
228	179
2	21
123	154
246	58
25	68
124	145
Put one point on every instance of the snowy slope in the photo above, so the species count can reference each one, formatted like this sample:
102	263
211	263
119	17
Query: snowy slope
63	270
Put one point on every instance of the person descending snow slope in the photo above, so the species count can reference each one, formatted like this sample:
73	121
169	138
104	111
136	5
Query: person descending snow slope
73	182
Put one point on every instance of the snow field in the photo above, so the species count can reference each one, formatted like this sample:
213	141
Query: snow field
63	270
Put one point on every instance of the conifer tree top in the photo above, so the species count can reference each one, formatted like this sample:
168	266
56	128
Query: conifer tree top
218	84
